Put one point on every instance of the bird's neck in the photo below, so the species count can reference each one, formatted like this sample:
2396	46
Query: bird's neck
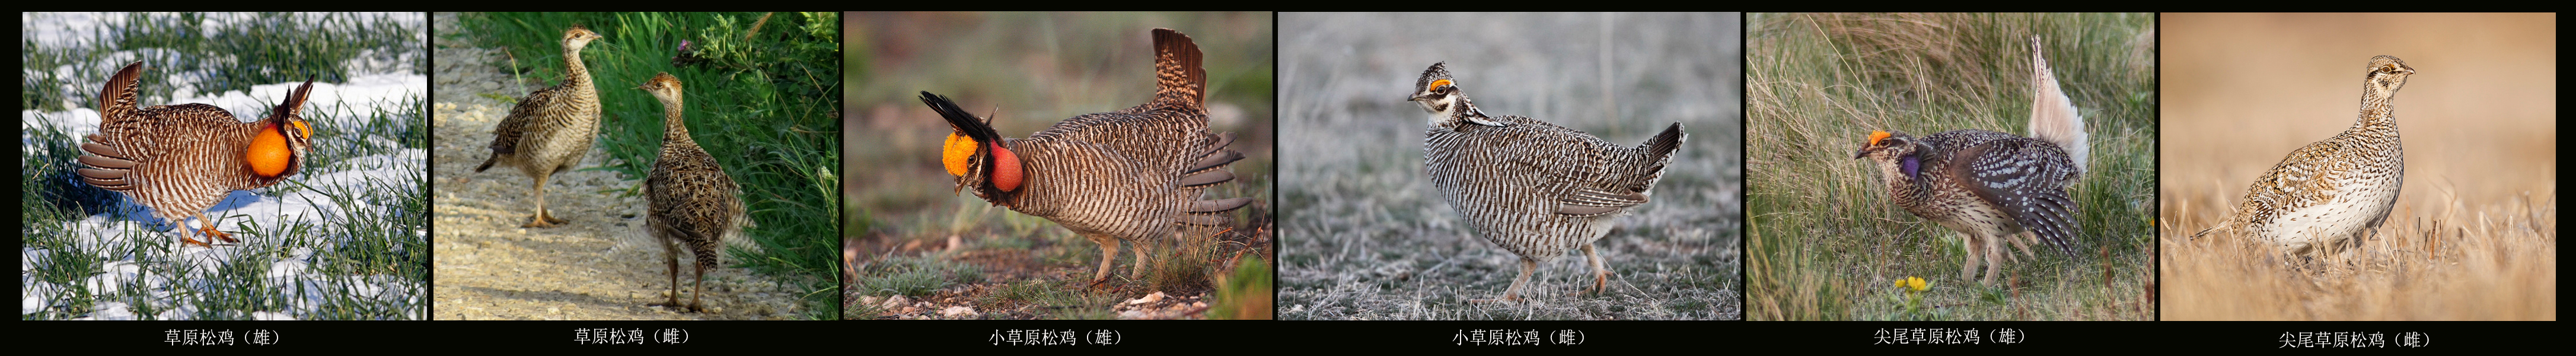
674	128
577	74
2378	115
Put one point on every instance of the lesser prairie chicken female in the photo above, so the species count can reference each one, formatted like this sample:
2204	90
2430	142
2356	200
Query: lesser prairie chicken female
1531	187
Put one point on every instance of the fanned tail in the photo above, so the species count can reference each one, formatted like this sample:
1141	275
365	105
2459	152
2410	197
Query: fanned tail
103	164
1181	81
2052	113
1659	151
1661	147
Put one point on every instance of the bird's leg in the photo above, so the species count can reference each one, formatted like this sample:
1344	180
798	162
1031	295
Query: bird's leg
697	289
184	240
210	230
542	219
539	220
2026	238
1108	252
1513	294
1995	256
1142	249
671	262
1968	267
1600	274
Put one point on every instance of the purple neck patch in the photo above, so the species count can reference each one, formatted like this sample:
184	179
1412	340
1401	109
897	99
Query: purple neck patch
1913	167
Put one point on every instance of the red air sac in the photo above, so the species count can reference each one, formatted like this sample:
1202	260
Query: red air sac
1006	169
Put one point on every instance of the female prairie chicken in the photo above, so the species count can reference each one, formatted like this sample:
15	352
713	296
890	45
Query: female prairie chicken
1134	174
691	200
2332	192
552	128
1533	188
181	159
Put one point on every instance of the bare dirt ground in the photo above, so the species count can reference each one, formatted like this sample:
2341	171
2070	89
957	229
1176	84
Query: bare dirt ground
601	266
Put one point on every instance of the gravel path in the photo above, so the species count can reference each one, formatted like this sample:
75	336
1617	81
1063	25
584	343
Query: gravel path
601	266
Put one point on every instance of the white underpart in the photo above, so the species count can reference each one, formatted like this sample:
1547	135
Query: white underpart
2327	224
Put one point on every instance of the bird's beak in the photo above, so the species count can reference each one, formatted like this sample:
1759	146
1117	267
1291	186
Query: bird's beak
1413	98
1863	152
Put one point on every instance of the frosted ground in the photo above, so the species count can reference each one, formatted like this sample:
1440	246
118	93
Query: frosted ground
343	239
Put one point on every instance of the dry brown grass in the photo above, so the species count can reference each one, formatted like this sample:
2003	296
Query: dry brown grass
2474	235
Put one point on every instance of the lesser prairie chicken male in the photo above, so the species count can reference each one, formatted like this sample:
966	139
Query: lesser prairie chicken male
1132	175
181	159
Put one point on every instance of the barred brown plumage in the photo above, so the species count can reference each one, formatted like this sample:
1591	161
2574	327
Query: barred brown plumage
181	159
1130	175
2332	192
1986	185
690	198
552	128
1530	187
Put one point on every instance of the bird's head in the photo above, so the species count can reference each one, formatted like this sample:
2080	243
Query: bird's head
2387	74
974	153
1439	95
1894	150
278	148
577	37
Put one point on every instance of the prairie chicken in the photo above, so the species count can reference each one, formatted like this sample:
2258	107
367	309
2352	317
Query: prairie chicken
182	159
2332	191
1533	188
552	128
1135	174
1986	185
691	199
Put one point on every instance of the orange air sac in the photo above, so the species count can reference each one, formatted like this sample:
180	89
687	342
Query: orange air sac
268	155
1006	169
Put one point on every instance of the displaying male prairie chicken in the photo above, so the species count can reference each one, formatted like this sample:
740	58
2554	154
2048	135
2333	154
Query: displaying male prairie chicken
1986	185
181	159
1533	188
552	128
2332	192
1132	175
691	199
1991	187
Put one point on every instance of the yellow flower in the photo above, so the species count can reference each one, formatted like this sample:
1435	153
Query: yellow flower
1915	283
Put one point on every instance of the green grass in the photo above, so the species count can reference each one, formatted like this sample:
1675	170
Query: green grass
913	276
1826	243
765	104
